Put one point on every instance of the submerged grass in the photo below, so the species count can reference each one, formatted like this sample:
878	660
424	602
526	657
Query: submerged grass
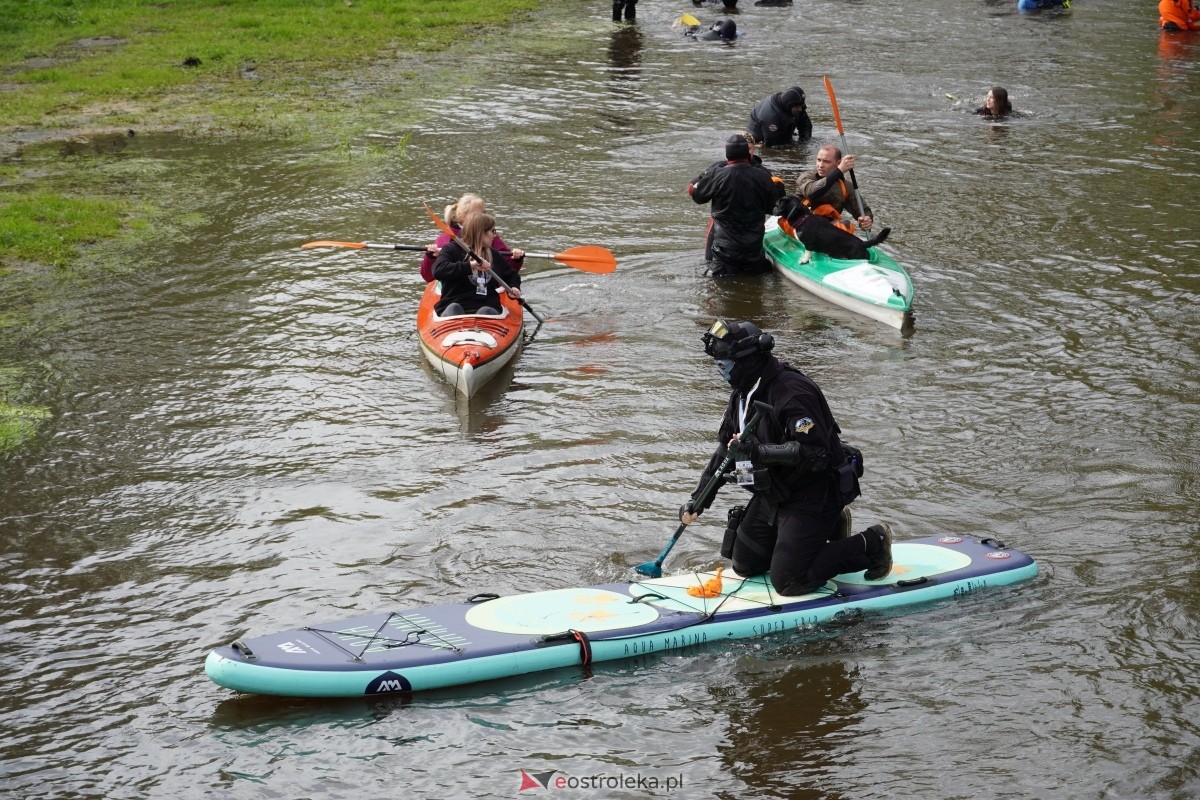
73	69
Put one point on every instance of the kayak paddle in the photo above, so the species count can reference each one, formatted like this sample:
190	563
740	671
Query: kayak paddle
587	258
653	568
842	133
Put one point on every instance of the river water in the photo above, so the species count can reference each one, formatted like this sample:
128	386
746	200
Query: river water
246	438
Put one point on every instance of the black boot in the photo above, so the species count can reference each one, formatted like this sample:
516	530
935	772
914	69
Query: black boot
880	563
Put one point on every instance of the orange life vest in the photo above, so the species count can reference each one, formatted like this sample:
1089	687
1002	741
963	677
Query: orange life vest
829	212
1180	12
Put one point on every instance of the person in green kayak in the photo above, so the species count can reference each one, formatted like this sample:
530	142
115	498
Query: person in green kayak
742	193
800	474
824	189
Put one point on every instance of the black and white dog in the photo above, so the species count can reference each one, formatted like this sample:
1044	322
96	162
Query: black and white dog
822	236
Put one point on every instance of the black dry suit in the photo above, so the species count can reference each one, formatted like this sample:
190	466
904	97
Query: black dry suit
802	479
804	448
773	123
742	193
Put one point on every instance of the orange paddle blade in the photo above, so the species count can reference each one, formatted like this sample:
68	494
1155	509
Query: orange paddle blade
589	258
833	102
442	226
323	243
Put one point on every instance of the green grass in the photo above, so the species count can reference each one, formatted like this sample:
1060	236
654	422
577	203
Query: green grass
256	67
18	423
51	79
49	228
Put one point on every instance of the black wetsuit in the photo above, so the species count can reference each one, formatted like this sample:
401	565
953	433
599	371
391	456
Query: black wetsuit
742	193
795	506
453	269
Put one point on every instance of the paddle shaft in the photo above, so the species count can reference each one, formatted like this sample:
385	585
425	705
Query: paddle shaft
654	569
413	247
837	118
361	245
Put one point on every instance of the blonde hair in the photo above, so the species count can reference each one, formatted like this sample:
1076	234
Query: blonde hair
455	213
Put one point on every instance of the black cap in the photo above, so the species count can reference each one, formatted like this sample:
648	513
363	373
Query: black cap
737	147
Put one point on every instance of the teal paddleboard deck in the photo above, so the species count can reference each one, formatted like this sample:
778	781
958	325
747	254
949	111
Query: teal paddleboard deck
492	637
877	287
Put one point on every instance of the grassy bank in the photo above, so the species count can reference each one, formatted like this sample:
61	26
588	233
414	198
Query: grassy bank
150	63
72	69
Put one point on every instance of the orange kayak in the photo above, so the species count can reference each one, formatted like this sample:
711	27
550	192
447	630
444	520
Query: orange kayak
468	350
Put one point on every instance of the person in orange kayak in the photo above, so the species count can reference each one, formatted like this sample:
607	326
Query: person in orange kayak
454	214
469	286
1178	15
825	191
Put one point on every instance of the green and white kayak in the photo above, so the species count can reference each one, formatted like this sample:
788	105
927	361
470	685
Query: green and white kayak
878	287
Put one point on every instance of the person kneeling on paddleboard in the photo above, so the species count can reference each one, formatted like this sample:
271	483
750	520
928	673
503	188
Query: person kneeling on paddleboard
800	474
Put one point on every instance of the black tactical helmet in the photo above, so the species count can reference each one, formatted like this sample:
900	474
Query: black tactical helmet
736	340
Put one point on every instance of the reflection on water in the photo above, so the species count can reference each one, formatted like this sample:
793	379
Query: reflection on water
791	724
625	53
246	437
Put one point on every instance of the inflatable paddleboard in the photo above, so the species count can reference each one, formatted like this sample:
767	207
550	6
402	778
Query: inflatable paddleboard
491	637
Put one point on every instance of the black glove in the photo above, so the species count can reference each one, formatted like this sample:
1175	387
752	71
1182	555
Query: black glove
686	508
744	449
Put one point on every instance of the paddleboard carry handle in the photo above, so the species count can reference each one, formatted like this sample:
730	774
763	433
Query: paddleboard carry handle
245	650
483	597
585	644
